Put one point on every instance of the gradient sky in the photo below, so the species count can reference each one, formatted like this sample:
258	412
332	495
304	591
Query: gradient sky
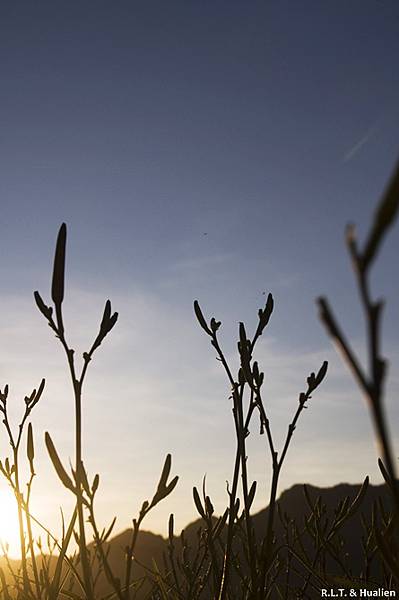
209	150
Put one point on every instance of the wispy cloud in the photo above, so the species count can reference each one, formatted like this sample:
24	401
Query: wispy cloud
202	262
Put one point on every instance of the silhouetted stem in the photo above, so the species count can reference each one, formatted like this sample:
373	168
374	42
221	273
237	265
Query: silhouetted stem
241	459
129	557
53	595
171	551
267	543
343	346
79	495
77	389
250	375
372	389
30	538
104	560
277	464
241	433
17	492
18	496
236	473
377	371
230	527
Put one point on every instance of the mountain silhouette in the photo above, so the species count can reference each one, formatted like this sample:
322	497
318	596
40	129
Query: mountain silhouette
292	503
293	507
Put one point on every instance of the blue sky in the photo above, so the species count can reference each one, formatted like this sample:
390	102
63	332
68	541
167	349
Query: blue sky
195	150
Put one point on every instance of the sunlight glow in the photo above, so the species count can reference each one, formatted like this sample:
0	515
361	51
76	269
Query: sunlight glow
9	532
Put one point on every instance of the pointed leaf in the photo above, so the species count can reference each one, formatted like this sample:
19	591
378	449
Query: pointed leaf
171	527
384	473
109	530
251	494
197	502
243	337
106	316
112	321
45	310
236	507
171	486
62	474
37	395
321	374
83	478
209	506
57	287
359	498
385	216
30	450
95	483
269	306
200	318
165	471
215	325
221	523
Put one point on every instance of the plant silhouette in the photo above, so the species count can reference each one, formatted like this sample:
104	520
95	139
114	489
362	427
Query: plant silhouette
295	548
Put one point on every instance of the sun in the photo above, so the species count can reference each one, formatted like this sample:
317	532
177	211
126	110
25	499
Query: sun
9	531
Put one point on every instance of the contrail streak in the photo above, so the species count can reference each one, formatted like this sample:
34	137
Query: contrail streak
363	140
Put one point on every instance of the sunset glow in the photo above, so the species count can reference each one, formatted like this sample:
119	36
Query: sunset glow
9	532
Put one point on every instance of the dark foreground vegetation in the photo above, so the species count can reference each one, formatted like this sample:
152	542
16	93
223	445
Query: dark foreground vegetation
307	541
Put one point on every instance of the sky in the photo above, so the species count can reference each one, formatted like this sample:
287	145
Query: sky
195	150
